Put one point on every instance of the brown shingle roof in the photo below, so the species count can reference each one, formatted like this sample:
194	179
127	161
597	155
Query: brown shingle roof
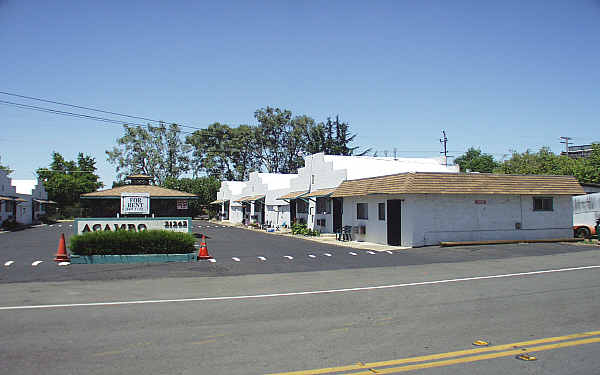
293	194
460	183
154	191
218	201
250	198
321	193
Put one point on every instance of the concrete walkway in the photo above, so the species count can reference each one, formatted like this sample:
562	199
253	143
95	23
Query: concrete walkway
327	238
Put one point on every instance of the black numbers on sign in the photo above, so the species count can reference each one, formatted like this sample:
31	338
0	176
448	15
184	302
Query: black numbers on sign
175	224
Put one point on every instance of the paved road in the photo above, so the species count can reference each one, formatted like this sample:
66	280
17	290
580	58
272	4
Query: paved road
237	252
268	323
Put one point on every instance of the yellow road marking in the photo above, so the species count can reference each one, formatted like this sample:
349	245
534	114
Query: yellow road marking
448	362
203	342
442	355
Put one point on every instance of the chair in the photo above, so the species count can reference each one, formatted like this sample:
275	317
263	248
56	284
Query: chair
347	233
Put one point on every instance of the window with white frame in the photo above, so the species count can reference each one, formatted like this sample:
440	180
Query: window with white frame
323	205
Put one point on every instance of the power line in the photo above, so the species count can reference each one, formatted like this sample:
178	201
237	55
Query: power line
91	109
74	114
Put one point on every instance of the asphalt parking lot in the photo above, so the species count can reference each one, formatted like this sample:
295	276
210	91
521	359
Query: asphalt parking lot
27	256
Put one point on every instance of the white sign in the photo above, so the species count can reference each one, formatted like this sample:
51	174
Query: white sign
182	204
175	224
135	203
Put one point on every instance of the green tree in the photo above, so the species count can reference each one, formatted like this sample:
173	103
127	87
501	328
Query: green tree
588	169
476	161
66	180
543	162
205	187
153	150
271	138
5	168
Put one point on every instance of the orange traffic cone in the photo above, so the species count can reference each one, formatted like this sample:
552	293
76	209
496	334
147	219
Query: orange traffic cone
203	252
61	254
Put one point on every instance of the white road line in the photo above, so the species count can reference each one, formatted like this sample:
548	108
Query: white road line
7	264
327	254
288	257
352	253
262	258
37	263
236	259
389	252
60	226
70	225
212	260
303	293
371	252
64	263
312	256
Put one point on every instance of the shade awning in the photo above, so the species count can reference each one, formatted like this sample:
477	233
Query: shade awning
293	195
320	193
218	201
20	200
250	198
6	198
44	201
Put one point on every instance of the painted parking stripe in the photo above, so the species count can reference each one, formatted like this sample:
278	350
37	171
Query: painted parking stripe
312	256
352	253
7	264
262	258
37	263
389	252
64	263
303	293
371	252
288	257
327	254
236	259
212	260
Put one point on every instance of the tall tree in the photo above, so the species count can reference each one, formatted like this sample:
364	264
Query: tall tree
271	136
542	162
66	180
588	169
476	161
153	150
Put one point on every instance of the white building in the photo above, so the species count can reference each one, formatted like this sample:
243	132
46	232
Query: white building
259	198
419	209
310	192
22	200
226	196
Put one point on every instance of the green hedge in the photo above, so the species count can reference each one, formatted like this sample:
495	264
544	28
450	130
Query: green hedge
124	242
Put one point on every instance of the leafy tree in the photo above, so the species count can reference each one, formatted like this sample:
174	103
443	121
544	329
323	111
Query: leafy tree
476	161
588	169
205	187
543	162
66	180
5	168
271	138
153	150
331	137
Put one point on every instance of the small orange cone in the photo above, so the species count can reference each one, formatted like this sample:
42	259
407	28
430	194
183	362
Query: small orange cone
203	252
61	254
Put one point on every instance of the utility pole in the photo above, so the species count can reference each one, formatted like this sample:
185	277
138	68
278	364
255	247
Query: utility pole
444	141
566	142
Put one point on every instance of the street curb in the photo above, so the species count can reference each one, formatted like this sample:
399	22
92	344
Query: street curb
127	259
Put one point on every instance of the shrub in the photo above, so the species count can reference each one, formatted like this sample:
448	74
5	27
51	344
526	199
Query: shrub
124	242
300	228
11	224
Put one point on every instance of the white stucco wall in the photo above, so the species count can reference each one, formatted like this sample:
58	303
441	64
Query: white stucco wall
26	190
429	219
232	190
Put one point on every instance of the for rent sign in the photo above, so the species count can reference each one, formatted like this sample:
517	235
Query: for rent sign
135	203
175	224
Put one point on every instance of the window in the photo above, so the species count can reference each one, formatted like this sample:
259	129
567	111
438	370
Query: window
321	222
362	210
381	207
323	205
312	179
8	206
543	204
301	206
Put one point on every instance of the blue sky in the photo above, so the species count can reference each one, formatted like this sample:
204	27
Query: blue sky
500	75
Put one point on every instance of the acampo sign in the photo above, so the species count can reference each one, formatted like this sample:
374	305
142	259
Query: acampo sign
135	203
175	224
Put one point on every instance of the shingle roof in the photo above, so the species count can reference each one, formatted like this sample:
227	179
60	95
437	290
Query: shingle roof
154	191
460	183
250	198
320	193
218	201
293	194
